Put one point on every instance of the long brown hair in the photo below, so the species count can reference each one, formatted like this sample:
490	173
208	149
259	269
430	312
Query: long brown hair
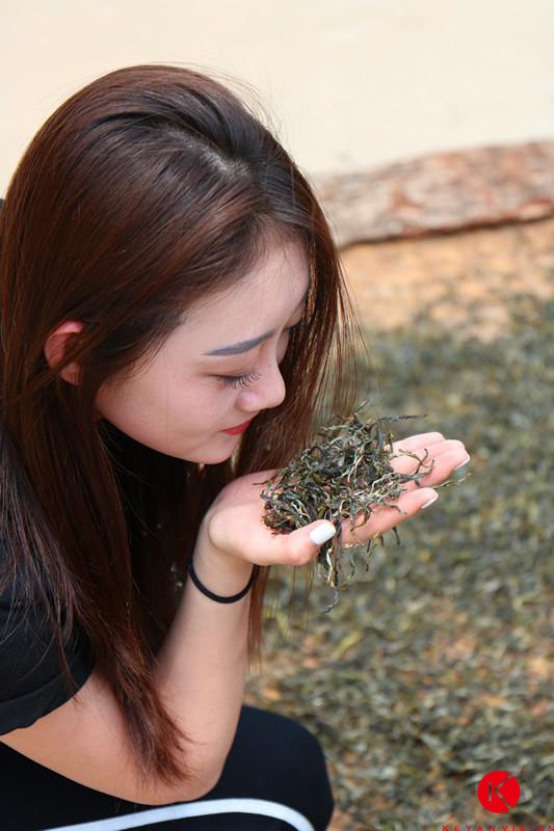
148	190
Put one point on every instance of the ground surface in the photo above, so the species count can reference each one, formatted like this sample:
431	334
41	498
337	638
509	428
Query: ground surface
436	666
462	278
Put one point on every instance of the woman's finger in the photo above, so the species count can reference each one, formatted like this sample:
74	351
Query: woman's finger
302	546
440	458
412	444
384	519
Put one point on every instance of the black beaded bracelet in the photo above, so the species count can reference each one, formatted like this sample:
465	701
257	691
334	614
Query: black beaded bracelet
218	597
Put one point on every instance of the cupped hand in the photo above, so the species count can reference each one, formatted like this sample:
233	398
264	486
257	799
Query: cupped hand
424	452
234	522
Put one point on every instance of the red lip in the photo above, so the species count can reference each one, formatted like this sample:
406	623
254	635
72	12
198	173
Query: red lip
240	428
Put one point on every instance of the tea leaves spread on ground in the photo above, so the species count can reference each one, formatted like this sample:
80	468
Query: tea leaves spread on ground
436	666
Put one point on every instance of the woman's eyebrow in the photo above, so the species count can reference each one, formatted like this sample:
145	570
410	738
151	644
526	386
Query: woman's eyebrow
247	345
243	346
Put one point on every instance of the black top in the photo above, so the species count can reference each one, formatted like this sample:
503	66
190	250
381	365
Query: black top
31	679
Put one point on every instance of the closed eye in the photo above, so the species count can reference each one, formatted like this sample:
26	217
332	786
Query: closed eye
249	377
239	380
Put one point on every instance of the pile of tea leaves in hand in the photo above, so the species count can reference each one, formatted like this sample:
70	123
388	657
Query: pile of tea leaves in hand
346	474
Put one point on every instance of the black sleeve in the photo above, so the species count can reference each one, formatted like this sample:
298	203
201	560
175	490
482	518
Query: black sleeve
32	683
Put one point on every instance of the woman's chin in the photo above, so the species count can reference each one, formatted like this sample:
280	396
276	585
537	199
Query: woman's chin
213	456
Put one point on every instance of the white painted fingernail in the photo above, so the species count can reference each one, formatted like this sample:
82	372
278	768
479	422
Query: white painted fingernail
465	461
429	502
322	533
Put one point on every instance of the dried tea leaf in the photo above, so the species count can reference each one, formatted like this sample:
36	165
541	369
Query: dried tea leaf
345	475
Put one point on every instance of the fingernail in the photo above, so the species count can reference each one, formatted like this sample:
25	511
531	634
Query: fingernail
429	502
322	533
465	461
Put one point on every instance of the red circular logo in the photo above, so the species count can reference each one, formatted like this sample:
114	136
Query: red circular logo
498	792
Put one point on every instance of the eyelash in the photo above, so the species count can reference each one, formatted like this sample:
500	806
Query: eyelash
240	380
249	377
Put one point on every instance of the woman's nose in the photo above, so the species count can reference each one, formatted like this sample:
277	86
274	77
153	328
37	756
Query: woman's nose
269	391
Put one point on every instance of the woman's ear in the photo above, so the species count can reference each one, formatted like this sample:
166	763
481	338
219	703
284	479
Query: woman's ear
55	346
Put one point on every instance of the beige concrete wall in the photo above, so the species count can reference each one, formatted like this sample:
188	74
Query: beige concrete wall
350	83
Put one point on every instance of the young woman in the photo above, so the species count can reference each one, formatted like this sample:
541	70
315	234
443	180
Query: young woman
170	301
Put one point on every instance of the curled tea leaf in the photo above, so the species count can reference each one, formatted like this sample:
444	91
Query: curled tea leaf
345	475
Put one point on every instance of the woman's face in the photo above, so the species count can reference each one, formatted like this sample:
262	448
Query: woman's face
219	369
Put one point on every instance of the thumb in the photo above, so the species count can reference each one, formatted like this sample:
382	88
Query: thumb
300	543
301	546
322	532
